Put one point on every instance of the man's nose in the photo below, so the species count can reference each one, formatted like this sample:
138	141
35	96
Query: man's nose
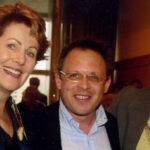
84	82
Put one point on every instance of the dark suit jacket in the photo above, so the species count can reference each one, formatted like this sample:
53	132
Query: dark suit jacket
52	139
34	123
132	109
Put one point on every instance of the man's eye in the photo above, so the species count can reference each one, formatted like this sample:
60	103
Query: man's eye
74	76
94	78
11	46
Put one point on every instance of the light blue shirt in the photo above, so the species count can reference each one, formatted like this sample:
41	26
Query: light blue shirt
72	138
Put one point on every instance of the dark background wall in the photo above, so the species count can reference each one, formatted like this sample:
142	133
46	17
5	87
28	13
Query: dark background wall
133	42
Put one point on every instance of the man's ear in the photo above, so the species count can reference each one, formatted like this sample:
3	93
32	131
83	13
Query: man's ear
107	84
58	80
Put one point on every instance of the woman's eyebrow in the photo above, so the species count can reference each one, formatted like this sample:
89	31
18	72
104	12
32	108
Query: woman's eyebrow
15	40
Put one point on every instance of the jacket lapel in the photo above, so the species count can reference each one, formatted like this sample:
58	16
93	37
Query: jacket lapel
53	128
112	132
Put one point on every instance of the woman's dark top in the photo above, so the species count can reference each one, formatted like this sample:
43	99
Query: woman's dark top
9	143
12	143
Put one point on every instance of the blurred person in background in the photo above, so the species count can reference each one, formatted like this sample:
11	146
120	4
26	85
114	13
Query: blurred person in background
132	110
136	83
32	97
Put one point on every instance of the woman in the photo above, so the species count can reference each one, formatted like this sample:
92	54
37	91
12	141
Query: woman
22	44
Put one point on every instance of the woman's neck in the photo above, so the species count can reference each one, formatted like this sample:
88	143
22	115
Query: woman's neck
3	99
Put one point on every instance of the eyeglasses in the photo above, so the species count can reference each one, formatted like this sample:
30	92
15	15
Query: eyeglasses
77	76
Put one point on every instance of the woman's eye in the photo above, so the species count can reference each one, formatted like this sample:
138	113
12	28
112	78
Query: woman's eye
11	46
31	54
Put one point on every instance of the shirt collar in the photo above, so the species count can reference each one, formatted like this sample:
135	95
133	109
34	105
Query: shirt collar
101	117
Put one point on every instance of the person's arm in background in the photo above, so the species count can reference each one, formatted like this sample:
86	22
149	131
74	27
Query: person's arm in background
120	110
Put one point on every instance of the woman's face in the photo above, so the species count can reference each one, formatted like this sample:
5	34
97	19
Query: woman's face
18	50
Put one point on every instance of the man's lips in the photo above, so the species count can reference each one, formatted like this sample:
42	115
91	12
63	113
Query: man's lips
82	97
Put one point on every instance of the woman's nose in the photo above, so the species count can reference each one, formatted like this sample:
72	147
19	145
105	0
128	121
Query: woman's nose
19	57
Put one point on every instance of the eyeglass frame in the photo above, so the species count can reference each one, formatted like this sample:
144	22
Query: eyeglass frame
81	76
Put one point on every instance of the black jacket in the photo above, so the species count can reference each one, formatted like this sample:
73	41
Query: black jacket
52	140
43	128
34	121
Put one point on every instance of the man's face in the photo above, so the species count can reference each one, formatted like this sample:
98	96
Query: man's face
82	97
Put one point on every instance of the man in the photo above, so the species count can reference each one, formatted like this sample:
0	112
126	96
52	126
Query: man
32	93
78	121
132	110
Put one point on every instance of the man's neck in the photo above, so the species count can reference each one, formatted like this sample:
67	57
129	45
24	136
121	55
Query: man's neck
85	122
